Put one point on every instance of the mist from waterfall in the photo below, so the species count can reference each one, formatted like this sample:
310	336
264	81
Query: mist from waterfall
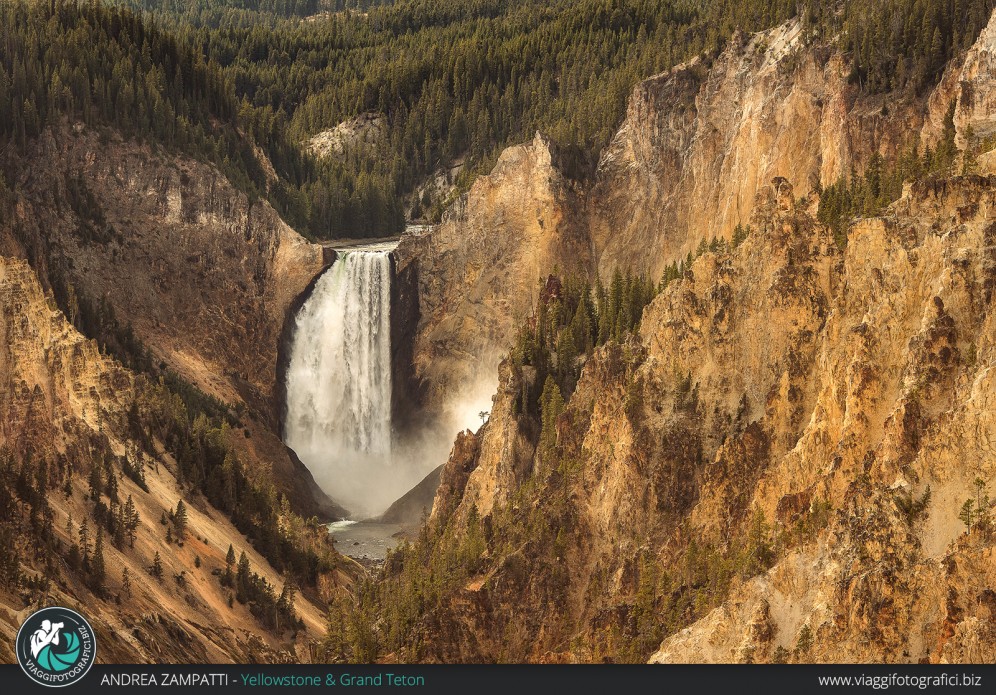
339	385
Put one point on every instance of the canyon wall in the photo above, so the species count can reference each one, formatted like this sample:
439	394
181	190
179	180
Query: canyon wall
699	140
478	271
773	469
696	144
207	278
783	391
203	274
68	407
896	403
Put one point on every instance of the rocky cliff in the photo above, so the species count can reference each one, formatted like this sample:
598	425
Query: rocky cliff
777	467
168	242
478	270
896	405
71	410
696	144
205	277
699	140
757	461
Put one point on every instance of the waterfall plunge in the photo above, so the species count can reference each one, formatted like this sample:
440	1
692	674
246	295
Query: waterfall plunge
339	385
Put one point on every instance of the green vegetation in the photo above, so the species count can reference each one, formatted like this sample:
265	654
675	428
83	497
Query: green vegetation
26	483
903	44
456	80
526	546
912	508
229	11
976	512
196	430
105	66
678	269
882	183
26	513
276	613
207	464
573	318
419	577
459	79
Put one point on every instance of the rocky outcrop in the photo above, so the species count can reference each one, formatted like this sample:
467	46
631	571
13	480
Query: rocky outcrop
65	404
696	145
207	278
414	506
774	468
756	461
485	469
203	274
52	380
406	387
975	109
699	140
360	133
478	270
900	395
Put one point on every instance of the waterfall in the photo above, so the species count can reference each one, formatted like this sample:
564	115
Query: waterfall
339	384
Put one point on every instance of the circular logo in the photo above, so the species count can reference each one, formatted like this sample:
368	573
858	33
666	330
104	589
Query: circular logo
55	646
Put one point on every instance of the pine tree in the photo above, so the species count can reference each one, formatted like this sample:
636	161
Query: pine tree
242	579
180	520
119	526
97	566
125	583
96	484
967	514
131	521
157	566
284	607
739	235
551	406
84	538
228	578
112	484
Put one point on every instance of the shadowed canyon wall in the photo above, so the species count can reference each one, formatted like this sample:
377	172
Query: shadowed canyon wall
205	277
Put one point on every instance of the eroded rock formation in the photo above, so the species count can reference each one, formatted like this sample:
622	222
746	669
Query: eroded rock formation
65	405
478	270
775	467
696	145
782	385
206	278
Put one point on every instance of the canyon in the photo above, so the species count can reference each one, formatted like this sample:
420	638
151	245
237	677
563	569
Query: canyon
771	468
696	145
784	389
206	279
65	400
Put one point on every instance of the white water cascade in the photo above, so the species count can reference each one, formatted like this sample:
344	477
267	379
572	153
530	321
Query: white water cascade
339	385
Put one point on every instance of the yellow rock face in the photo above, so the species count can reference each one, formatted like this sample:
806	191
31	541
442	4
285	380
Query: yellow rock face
61	399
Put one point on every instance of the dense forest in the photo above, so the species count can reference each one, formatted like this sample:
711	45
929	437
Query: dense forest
456	81
460	81
107	67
